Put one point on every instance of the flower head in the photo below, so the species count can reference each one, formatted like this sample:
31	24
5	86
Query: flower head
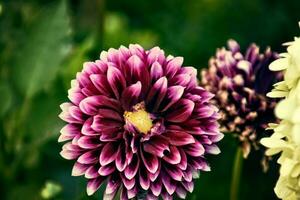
286	137
139	120
240	83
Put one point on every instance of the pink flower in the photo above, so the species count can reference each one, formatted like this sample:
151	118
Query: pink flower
139	120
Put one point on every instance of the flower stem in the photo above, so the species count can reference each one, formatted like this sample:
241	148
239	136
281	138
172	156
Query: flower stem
236	174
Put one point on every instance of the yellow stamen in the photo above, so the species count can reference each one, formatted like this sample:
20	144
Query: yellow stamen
140	119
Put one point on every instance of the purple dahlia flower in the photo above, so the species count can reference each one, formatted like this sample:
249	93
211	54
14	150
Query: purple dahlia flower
139	120
240	83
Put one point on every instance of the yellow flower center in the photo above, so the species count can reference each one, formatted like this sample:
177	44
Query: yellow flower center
140	119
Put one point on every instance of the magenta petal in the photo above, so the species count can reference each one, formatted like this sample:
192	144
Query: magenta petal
166	196
173	66
79	169
108	153
106	170
156	71
157	92
69	155
93	185
150	161
121	160
173	157
75	95
132	168
189	186
183	163
132	192
179	138
116	80
181	79
92	172
68	132
181	192
157	146
174	172
196	149
113	185
101	84
130	96
169	184
156	187
101	125
86	128
89	157
144	179
129	184
188	175
174	93
182	111
90	105
154	176
87	142
212	149
110	114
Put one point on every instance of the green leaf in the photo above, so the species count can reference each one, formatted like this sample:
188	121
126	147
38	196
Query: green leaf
6	98
39	58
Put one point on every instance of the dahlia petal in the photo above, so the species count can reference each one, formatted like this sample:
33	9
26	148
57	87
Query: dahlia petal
106	170
113	185
173	66
181	79
157	146
212	149
182	112
68	132
86	128
155	55
169	184
187	174
150	161
130	96
174	93
157	92
120	161
154	176
100	124
174	172
179	138
101	84
110	114
76	114
87	142
91	68
196	149
181	192
144	179
129	184
166	196
116	80
69	155
79	169
173	157
108	153
189	186
111	135
89	157
156	71
75	95
132	192
91	104
132	168
93	185
82	78
123	195
92	172
150	196
156	187
183	162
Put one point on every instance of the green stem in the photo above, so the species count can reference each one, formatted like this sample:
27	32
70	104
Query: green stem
236	174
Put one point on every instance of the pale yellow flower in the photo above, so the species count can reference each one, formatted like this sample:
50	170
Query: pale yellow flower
286	137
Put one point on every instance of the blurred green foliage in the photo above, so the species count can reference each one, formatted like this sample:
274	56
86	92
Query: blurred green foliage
43	44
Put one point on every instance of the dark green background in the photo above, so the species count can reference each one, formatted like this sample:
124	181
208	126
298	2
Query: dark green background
43	44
